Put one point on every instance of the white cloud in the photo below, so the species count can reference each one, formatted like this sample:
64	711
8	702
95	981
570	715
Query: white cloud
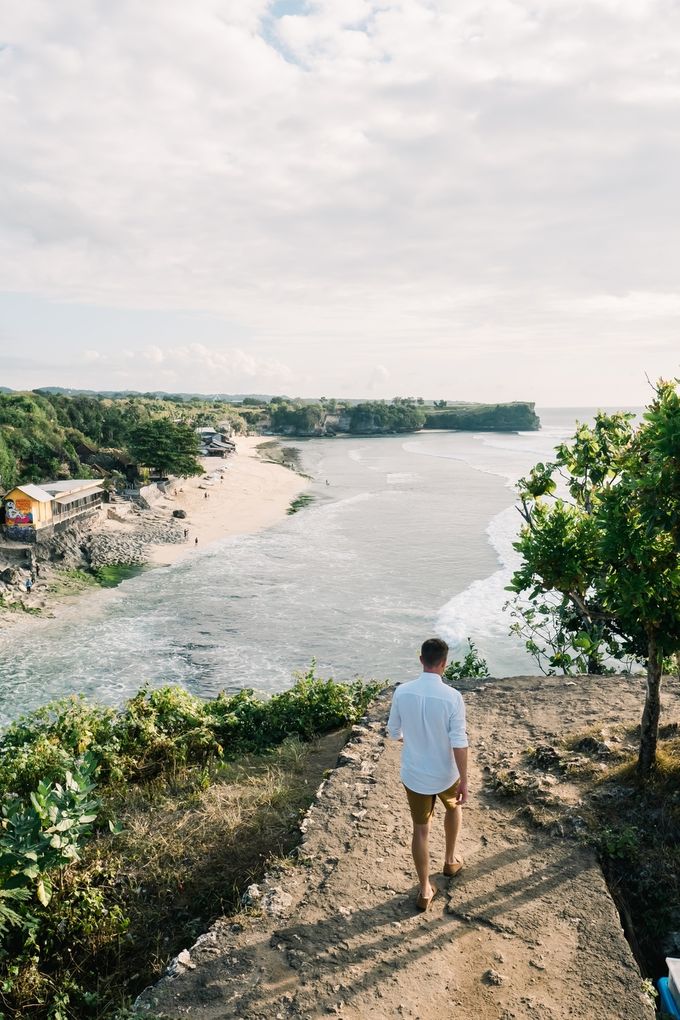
386	182
193	366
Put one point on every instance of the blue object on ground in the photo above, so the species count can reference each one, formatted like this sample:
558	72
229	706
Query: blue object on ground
666	1000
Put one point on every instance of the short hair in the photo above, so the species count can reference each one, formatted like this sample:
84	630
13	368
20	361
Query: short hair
434	651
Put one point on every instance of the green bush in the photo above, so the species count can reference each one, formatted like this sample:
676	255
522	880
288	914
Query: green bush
61	922
470	666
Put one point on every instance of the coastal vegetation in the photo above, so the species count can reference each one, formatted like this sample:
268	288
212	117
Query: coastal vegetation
300	502
124	833
471	667
601	548
519	416
48	434
166	446
382	417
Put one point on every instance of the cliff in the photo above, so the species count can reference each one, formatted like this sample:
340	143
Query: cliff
378	418
519	416
527	930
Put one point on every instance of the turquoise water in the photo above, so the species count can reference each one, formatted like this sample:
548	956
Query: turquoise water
412	536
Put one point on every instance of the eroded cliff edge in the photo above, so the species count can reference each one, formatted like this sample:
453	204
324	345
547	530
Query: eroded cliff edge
528	931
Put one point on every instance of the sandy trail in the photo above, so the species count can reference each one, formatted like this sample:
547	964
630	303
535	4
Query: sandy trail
531	905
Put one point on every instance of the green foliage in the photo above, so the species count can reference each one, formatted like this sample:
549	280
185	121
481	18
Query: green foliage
622	843
378	417
511	417
170	447
610	549
555	635
297	419
62	918
34	446
471	666
45	831
299	503
46	435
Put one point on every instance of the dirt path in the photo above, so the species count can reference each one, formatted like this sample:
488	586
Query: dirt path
527	932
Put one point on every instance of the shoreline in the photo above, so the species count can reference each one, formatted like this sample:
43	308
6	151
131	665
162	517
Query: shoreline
254	495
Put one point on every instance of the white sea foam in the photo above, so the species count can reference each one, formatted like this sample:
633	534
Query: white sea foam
400	478
478	613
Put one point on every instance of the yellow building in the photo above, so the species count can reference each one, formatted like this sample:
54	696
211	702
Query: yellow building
32	509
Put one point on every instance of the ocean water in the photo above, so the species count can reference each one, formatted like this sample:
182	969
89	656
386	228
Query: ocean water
412	536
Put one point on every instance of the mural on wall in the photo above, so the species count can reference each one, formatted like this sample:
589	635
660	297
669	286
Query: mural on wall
18	513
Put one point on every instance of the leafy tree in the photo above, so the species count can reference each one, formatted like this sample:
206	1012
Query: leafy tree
35	447
558	638
297	418
610	546
377	416
170	447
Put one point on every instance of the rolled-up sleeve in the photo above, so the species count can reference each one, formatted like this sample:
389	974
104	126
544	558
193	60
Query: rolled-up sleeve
394	721
457	729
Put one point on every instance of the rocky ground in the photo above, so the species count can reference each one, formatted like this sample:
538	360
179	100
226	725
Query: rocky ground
528	931
129	544
118	534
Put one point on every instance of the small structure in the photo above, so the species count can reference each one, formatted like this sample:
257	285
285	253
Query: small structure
30	510
214	443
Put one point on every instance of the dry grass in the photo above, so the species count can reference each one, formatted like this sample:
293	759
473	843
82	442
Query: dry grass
188	850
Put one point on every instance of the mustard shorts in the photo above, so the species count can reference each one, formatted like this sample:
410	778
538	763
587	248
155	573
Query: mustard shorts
422	804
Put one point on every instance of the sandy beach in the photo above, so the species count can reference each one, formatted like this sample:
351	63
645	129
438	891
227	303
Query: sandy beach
244	494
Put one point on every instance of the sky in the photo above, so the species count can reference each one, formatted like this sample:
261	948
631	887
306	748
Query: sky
438	198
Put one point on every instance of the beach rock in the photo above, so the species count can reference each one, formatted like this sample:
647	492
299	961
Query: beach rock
180	965
129	547
179	513
590	745
492	977
276	902
546	757
252	895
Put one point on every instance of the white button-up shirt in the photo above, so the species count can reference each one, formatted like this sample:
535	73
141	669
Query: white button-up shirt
430	716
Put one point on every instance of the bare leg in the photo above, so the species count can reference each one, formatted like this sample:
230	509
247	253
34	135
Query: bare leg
421	857
452	822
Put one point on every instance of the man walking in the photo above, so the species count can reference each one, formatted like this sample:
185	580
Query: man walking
430	718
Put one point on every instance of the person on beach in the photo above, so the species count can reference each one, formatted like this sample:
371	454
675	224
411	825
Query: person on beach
429	716
196	540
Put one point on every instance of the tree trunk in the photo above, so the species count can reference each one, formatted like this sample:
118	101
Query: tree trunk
649	728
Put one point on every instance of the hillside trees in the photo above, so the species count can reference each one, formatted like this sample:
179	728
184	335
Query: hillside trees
169	447
402	415
609	548
34	445
298	419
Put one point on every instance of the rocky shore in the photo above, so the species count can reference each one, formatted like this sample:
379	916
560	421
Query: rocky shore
164	524
118	535
130	547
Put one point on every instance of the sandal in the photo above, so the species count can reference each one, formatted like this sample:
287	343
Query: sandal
424	904
451	870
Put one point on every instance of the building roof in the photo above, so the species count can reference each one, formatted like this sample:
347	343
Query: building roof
34	492
73	496
69	486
